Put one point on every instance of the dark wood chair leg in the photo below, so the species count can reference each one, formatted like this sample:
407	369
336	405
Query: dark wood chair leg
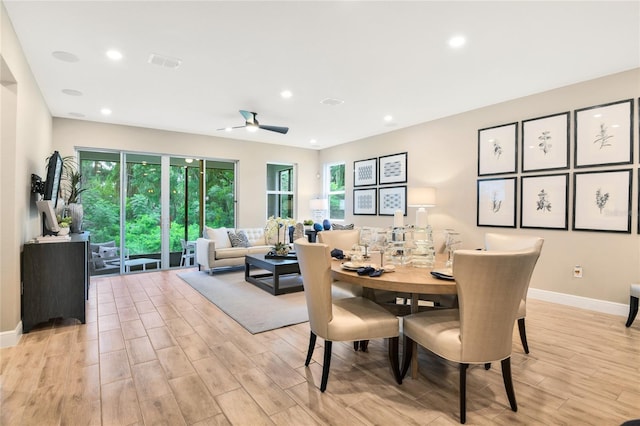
393	358
487	365
508	383
633	310
312	345
356	345
463	393
327	364
364	345
523	335
407	352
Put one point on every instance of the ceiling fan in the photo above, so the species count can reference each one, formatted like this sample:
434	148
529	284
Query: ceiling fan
251	123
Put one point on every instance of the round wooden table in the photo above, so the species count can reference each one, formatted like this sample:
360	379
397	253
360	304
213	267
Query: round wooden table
404	279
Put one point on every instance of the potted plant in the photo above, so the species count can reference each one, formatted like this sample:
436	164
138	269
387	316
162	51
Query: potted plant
71	188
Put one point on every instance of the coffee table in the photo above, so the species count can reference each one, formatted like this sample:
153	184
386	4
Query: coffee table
276	268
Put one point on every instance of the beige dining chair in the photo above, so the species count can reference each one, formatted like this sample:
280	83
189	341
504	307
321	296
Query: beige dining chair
504	242
480	331
343	240
348	319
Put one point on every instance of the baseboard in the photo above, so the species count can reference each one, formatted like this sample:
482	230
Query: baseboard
603	306
11	338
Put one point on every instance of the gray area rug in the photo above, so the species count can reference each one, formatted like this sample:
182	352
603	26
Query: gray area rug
253	308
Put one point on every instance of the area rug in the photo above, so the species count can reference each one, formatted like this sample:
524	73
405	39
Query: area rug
253	308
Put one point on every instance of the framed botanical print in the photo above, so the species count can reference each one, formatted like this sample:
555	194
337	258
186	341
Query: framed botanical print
602	201
545	143
393	168
497	149
365	172
604	134
392	199
544	201
496	202
364	201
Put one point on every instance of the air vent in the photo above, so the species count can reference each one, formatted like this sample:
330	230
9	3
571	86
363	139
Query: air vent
164	61
332	101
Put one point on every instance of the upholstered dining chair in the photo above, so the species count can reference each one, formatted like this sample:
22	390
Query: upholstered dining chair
348	319
480	331
504	242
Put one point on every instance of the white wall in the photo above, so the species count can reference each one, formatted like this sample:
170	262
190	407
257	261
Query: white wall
26	142
252	157
443	154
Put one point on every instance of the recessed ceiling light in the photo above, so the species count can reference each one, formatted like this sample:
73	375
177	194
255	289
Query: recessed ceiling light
65	56
105	111
72	92
286	94
388	118
114	55
457	41
313	141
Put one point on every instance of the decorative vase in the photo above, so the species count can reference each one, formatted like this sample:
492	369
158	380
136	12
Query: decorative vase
283	251
326	225
77	215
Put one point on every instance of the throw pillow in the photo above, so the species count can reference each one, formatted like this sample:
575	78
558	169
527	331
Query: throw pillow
219	236
238	240
338	227
108	252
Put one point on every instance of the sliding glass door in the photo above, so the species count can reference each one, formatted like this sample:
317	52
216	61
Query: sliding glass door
141	215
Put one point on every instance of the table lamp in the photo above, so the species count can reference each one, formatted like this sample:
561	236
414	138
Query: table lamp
318	206
421	198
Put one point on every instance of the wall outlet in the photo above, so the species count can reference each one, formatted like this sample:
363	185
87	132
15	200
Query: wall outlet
577	271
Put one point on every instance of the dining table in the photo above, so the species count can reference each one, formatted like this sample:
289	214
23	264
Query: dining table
404	279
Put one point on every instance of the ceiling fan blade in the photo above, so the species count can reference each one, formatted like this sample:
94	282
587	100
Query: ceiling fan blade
235	127
278	129
248	115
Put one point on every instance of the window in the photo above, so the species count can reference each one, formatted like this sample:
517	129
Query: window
334	188
280	190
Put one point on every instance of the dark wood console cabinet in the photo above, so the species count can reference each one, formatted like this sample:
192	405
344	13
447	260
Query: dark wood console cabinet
55	280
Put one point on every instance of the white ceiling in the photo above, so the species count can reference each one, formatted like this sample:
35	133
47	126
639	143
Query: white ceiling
380	57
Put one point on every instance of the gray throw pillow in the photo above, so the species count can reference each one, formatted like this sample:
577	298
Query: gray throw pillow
239	239
338	227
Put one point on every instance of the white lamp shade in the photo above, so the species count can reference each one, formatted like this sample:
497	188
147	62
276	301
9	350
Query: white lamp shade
421	197
319	204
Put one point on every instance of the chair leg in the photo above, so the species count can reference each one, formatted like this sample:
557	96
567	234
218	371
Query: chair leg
364	345
463	392
393	358
356	345
407	352
523	335
633	310
508	383
487	365
312	345
327	364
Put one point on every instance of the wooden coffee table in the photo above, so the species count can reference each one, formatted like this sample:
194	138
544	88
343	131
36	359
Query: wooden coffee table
276	268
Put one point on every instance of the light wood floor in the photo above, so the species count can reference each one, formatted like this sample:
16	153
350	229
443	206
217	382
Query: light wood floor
154	351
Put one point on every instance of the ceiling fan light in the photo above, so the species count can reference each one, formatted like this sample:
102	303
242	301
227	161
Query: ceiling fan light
252	128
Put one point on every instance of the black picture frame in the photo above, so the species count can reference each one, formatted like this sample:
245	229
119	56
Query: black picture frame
392	198
604	134
498	150
602	201
545	143
365	201
365	172
544	201
496	202
392	168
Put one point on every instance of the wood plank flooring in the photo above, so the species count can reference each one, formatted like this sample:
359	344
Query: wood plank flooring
154	351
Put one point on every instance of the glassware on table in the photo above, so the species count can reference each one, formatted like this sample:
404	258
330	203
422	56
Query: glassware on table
365	240
451	241
424	254
379	243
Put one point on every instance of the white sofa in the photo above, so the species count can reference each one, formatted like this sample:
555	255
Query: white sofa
215	249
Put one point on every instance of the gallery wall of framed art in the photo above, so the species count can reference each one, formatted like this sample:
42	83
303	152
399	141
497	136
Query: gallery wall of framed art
601	198
375	185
